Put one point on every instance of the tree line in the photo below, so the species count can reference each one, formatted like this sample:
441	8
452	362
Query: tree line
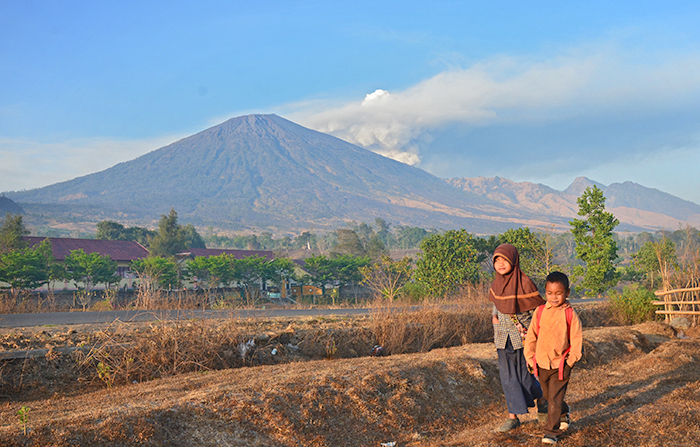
591	253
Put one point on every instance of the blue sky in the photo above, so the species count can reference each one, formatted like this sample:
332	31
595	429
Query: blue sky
530	91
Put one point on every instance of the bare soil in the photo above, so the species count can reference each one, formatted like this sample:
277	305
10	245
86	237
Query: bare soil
636	386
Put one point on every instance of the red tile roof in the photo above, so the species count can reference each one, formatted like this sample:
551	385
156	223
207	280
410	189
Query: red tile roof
117	250
238	254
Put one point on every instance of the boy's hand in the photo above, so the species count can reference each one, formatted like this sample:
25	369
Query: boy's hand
494	319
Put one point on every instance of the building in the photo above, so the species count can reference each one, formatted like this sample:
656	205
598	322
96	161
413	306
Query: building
122	252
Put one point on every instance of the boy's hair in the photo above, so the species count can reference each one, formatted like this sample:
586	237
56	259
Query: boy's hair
558	277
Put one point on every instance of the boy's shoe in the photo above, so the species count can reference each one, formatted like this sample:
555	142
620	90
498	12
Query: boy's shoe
564	422
549	439
509	425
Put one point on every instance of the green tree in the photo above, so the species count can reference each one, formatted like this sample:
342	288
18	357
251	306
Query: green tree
410	237
212	271
346	270
280	269
536	257
110	230
114	231
90	269
340	270
173	238
595	244
191	238
156	272
383	232
348	243
168	241
26	268
446	261
656	260
12	230
305	240
321	271
250	272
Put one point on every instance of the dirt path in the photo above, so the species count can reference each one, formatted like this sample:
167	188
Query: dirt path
637	386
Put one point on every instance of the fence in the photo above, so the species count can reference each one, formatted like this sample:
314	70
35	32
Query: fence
679	302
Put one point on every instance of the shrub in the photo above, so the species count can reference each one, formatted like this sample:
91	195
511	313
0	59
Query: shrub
633	305
413	292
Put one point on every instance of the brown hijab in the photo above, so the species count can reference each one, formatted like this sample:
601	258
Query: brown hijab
513	292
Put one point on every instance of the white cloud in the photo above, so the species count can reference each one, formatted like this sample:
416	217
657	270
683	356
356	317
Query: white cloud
29	164
585	82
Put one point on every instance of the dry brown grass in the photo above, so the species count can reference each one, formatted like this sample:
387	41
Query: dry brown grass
404	329
633	388
218	382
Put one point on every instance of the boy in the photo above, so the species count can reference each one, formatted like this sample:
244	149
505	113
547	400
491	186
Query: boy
552	346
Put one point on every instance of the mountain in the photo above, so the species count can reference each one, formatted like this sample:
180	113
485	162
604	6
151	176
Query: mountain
533	197
264	171
580	184
637	207
9	206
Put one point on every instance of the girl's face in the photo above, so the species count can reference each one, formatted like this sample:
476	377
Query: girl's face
501	265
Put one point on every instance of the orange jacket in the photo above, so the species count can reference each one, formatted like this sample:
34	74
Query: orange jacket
548	345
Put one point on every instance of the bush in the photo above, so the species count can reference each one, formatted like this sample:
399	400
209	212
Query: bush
633	305
413	292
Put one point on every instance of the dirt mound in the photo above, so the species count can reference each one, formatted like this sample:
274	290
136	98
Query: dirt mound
628	391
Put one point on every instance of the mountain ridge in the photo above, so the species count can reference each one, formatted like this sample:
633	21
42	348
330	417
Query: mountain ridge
636	206
263	171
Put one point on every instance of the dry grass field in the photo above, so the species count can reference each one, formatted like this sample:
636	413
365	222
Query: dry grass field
312	383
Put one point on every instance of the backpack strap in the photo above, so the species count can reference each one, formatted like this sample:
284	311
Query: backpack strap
569	316
538	314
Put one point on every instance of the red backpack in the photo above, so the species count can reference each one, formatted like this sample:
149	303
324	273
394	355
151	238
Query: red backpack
569	316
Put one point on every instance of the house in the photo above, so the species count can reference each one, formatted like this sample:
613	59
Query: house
123	252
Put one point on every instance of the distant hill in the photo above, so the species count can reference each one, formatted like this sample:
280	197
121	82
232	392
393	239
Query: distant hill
636	206
264	172
7	205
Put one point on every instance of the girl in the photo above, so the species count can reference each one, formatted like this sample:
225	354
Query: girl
514	297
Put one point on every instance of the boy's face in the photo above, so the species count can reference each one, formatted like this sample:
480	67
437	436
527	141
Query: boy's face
556	293
501	265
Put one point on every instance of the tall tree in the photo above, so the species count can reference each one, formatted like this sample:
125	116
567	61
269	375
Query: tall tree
348	243
173	238
595	244
657	260
168	241
383	231
12	230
